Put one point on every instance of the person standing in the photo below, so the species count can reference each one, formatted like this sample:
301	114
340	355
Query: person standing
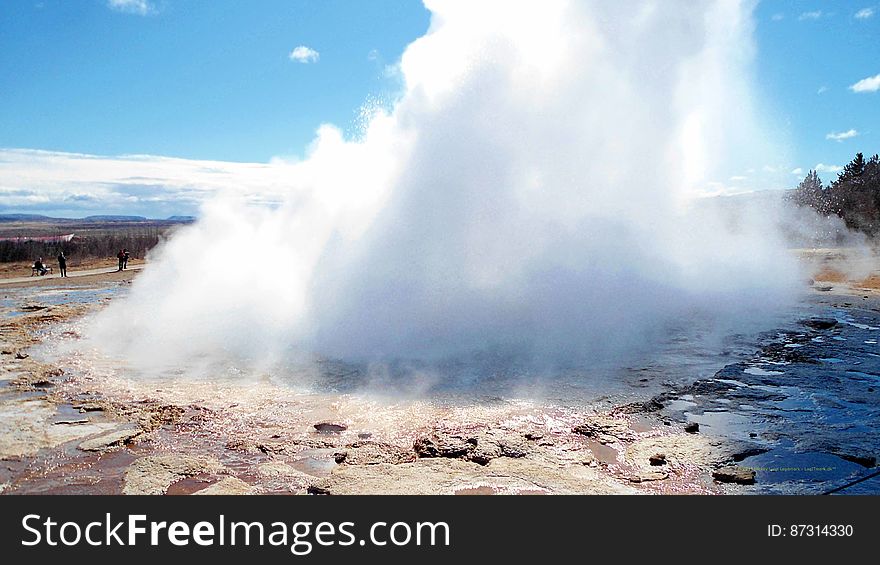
125	256
62	264
121	257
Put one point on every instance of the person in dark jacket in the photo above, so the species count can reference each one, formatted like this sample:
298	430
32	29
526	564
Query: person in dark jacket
39	267
121	257
62	264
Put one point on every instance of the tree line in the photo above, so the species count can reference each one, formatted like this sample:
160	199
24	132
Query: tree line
854	196
108	244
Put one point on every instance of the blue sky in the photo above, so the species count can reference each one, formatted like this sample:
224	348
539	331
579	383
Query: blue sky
201	79
216	81
809	55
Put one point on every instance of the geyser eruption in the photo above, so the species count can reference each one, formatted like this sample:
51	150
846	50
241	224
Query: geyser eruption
529	192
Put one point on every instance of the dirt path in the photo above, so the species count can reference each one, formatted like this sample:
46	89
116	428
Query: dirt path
103	273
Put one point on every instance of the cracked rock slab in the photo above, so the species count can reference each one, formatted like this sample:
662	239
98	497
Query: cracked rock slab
450	476
111	439
155	473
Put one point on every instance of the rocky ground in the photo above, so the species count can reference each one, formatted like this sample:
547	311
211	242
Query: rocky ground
67	428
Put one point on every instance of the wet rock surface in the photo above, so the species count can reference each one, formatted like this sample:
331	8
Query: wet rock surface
110	439
820	323
478	447
799	415
734	474
330	427
808	397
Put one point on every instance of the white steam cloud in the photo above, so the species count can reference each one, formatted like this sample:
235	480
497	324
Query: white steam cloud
528	192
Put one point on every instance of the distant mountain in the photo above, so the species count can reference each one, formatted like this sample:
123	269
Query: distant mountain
24	218
112	218
106	218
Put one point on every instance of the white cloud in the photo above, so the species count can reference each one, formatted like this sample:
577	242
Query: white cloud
870	84
864	13
738	178
840	136
77	184
811	15
799	171
139	7
305	55
822	90
823	168
777	17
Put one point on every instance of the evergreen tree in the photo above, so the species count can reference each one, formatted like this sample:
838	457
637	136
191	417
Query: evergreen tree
810	192
853	170
854	195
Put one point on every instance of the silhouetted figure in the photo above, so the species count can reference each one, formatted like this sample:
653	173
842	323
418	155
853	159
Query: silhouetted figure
39	268
125	256
62	264
121	257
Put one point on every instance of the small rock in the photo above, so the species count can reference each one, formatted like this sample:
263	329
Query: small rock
649	476
443	445
241	445
692	427
734	474
164	415
21	355
820	323
605	429
330	427
271	447
657	459
71	421
88	407
318	488
484	452
513	448
110	439
534	435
